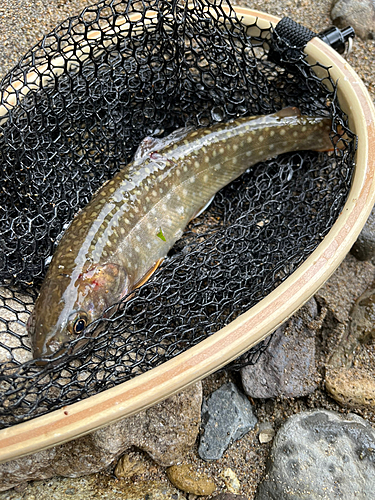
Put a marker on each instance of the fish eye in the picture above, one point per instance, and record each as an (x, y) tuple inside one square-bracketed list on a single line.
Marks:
[(78, 323)]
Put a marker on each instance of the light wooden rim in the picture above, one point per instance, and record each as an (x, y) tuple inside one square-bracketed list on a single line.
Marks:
[(248, 329)]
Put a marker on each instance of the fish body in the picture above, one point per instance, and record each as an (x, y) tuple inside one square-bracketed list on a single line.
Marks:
[(132, 222)]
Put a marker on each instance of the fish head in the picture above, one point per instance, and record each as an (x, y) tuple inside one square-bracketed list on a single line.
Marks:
[(67, 304)]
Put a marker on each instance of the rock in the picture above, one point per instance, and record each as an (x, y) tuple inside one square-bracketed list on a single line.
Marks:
[(287, 368), (227, 415), (229, 496), (349, 378), (94, 486), (188, 479), (165, 431), (266, 432), (360, 14), (361, 330), (351, 387), (231, 480), (129, 466), (321, 455), (348, 282)]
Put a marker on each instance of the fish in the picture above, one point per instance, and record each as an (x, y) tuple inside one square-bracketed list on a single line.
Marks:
[(120, 237)]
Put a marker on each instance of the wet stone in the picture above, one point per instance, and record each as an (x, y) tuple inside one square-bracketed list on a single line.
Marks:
[(287, 368), (321, 455), (360, 14), (364, 247), (186, 478), (227, 415)]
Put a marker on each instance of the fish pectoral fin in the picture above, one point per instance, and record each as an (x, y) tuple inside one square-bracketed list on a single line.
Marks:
[(153, 144), (202, 209), (149, 273), (146, 147)]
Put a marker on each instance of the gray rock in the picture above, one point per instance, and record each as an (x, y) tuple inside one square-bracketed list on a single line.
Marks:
[(227, 415), (360, 14), (287, 368), (321, 455), (166, 432), (95, 486), (364, 247)]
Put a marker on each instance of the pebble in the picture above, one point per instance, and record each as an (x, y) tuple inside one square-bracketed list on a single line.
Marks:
[(266, 432), (231, 480), (287, 368), (229, 496), (321, 455), (364, 247), (351, 387), (186, 478), (227, 415), (128, 466), (360, 14)]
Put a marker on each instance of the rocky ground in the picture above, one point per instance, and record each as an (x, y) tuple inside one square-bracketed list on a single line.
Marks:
[(322, 360)]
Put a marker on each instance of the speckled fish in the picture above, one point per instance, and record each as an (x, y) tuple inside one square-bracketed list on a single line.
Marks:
[(115, 242)]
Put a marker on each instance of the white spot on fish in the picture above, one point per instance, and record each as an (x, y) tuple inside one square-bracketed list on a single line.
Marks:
[(221, 150), (196, 164), (205, 178), (260, 138), (192, 179), (184, 192), (282, 131), (206, 159), (249, 139), (235, 147)]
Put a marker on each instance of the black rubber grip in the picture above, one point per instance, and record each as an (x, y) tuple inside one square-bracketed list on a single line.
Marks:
[(294, 34)]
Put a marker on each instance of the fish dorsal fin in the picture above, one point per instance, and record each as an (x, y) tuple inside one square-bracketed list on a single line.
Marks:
[(151, 144)]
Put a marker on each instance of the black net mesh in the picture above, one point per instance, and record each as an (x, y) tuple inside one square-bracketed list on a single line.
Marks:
[(74, 110)]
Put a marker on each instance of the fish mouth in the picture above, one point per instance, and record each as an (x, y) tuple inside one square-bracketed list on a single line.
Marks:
[(48, 352)]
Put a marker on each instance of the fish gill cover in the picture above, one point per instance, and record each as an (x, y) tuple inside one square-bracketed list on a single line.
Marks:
[(74, 110)]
